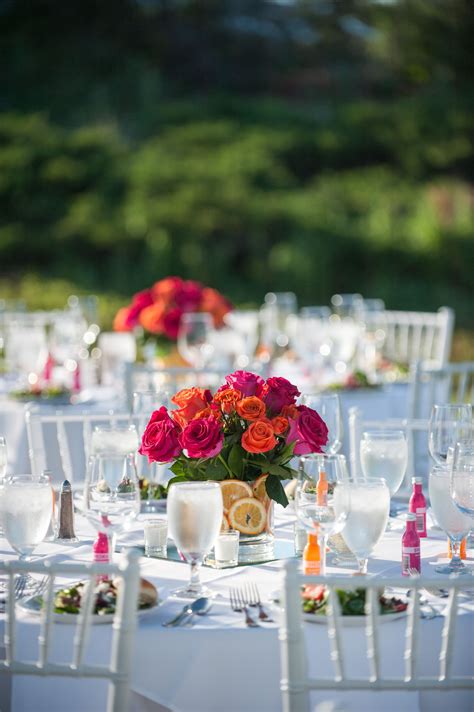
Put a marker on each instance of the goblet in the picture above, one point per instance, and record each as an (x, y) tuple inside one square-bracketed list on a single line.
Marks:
[(462, 476), (26, 508), (195, 512), (318, 478), (448, 425), (456, 524), (384, 453), (329, 408), (144, 403), (194, 338), (366, 503)]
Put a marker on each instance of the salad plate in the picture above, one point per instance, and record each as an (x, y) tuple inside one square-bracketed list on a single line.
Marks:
[(352, 603), (67, 600)]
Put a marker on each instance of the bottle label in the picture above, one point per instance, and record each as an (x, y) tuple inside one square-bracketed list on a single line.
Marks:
[(312, 568), (420, 519), (411, 560), (101, 557)]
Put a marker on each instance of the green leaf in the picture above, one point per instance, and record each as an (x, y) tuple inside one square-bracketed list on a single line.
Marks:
[(236, 460), (286, 454), (178, 468), (275, 490), (178, 478), (278, 470), (216, 470)]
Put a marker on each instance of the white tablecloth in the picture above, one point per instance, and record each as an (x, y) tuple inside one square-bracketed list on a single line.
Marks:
[(219, 664)]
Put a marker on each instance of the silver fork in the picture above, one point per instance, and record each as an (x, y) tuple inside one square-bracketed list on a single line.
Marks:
[(18, 591), (252, 597), (432, 612), (239, 605)]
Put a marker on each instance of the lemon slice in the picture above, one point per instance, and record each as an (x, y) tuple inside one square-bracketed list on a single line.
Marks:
[(259, 490), (233, 490), (248, 516)]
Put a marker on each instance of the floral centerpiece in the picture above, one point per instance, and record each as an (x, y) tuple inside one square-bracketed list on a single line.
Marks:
[(158, 310), (244, 436)]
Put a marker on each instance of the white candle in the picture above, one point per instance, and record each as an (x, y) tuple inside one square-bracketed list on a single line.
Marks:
[(156, 534), (227, 547)]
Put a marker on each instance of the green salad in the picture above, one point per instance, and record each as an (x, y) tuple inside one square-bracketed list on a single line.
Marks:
[(156, 491), (352, 603)]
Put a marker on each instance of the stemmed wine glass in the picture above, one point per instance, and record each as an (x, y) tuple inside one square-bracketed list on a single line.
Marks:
[(456, 524), (195, 512), (194, 338), (461, 466), (114, 440), (144, 403), (448, 425), (26, 507), (384, 453), (112, 493), (329, 408), (318, 478), (366, 503)]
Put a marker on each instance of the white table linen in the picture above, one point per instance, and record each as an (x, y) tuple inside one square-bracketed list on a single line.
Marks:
[(219, 664)]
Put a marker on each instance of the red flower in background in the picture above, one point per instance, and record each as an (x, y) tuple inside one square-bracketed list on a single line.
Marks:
[(159, 309)]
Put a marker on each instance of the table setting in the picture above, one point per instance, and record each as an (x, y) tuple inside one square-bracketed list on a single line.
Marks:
[(211, 557)]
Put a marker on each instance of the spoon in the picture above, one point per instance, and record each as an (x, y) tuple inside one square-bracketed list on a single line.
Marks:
[(200, 604), (199, 608)]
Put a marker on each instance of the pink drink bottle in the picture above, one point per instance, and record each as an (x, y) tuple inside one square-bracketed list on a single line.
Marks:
[(417, 505), (411, 559), (100, 550)]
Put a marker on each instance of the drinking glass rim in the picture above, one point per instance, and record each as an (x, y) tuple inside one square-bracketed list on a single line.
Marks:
[(366, 481), (26, 478), (204, 484), (383, 434), (113, 428), (327, 457), (449, 406), (111, 455), (440, 471)]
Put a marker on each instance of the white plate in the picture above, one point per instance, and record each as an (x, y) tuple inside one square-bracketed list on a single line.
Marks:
[(354, 621), (32, 605)]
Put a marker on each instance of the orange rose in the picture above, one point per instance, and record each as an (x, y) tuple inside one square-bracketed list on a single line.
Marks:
[(215, 304), (208, 413), (151, 318), (251, 408), (259, 437), (166, 289), (280, 424), (227, 399), (121, 320), (289, 411), (191, 401)]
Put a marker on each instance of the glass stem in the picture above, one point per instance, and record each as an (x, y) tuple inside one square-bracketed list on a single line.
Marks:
[(194, 580), (362, 566), (456, 561)]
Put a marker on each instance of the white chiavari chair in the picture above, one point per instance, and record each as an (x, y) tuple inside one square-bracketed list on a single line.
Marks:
[(415, 336), (410, 426), (452, 383), (118, 668), (60, 442), (296, 684), (141, 377)]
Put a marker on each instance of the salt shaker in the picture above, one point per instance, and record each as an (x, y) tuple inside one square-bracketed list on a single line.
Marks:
[(66, 514)]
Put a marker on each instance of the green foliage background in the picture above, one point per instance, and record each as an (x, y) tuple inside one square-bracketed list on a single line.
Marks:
[(145, 139)]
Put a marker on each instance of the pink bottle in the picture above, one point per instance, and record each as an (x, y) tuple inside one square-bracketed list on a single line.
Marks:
[(417, 505), (100, 550), (411, 559)]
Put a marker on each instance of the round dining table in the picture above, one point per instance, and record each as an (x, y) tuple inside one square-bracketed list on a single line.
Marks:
[(218, 663)]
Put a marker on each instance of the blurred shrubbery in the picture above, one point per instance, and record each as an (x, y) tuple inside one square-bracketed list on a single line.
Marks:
[(317, 147)]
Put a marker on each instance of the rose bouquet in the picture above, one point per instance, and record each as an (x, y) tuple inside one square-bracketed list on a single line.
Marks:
[(158, 310), (244, 436)]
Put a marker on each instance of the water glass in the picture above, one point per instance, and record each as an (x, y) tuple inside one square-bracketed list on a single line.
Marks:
[(114, 440), (144, 403), (329, 408), (455, 523), (226, 549), (26, 508), (448, 425), (462, 476), (156, 537), (195, 511), (195, 338), (366, 504), (384, 453)]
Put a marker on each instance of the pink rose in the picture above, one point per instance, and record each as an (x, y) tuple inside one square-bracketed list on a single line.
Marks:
[(160, 440), (171, 322), (278, 393), (249, 384), (308, 430), (202, 437), (189, 296)]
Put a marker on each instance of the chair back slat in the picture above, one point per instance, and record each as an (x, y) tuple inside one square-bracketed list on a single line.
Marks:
[(371, 629), (411, 637), (46, 623), (447, 636), (451, 383), (10, 637), (334, 635), (83, 628)]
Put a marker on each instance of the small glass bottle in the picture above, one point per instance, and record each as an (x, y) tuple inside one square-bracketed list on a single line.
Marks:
[(100, 550), (462, 548), (312, 556), (417, 505), (322, 490), (411, 558)]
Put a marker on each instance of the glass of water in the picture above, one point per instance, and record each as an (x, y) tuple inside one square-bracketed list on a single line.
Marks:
[(329, 408), (455, 523), (384, 453), (462, 476), (448, 425), (26, 508)]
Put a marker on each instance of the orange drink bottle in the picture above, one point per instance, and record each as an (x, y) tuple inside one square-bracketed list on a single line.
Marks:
[(322, 490), (462, 550), (312, 556)]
